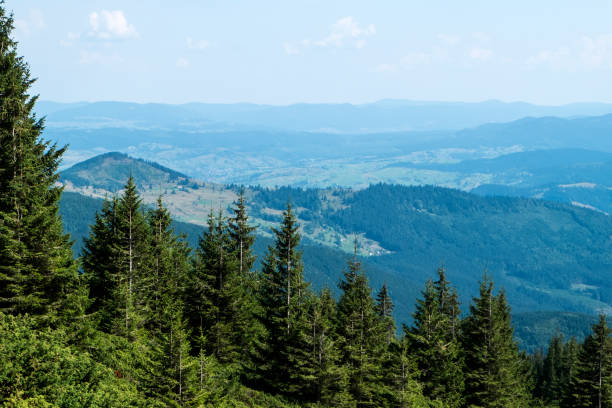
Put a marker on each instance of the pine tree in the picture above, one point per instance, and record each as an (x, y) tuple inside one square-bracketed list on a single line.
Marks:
[(117, 264), (173, 376), (401, 377), (591, 382), (495, 373), (384, 309), (242, 236), (99, 266), (38, 275), (216, 281), (331, 380), (283, 355), (552, 371), (434, 343), (361, 337)]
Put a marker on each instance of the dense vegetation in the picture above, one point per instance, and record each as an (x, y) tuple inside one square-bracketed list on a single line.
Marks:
[(149, 323)]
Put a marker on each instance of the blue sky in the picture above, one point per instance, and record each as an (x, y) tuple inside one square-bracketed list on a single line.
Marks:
[(281, 52)]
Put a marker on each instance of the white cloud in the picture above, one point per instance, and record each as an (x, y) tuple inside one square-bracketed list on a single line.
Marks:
[(449, 39), (557, 58), (481, 37), (110, 25), (587, 53), (197, 44), (481, 54), (70, 39), (291, 49), (344, 32), (97, 58), (386, 67), (34, 22), (597, 52), (183, 63)]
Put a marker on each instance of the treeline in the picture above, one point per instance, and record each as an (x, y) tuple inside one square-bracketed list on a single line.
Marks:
[(142, 320)]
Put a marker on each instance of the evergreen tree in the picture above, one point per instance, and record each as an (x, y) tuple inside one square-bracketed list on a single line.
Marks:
[(551, 385), (434, 343), (283, 355), (361, 337), (242, 236), (591, 381), (38, 274), (99, 265), (173, 374), (401, 377), (331, 380), (384, 309), (495, 372), (117, 264), (217, 280)]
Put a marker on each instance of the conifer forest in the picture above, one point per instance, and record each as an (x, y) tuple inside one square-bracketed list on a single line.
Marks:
[(139, 318)]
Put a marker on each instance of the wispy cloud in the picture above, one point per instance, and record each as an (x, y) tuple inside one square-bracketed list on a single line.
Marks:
[(98, 58), (197, 44), (448, 39), (183, 63), (110, 25), (586, 54), (34, 22), (346, 31), (481, 54)]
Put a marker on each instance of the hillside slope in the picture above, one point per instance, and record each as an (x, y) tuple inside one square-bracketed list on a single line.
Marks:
[(548, 256)]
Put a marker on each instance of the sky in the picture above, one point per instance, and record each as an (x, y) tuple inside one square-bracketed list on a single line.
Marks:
[(317, 51)]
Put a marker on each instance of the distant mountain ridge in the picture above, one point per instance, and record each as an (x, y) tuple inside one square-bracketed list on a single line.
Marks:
[(381, 116)]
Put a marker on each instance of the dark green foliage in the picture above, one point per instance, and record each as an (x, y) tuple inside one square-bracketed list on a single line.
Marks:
[(435, 345), (39, 366), (242, 236), (117, 263), (283, 363), (38, 274), (552, 372), (534, 330), (495, 373), (362, 336), (591, 378)]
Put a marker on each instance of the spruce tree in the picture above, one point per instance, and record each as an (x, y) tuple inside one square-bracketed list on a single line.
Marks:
[(117, 263), (384, 309), (434, 343), (218, 285), (173, 374), (331, 379), (591, 382), (361, 337), (242, 236), (495, 372), (38, 275), (283, 356)]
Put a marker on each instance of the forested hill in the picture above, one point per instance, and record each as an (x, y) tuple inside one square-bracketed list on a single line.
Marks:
[(548, 256)]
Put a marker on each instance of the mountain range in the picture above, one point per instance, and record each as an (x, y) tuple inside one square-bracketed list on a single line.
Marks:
[(547, 256)]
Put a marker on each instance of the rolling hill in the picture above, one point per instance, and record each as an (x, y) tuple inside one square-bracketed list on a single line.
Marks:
[(547, 256)]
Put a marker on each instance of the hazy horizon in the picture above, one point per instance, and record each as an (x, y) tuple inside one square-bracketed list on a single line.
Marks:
[(316, 52)]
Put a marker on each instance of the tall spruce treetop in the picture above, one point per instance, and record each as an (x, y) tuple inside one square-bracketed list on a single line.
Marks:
[(284, 297), (591, 381), (37, 272), (242, 234), (495, 371)]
